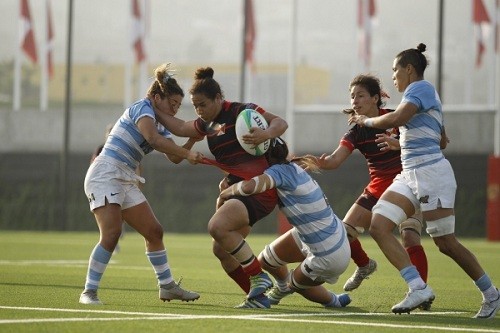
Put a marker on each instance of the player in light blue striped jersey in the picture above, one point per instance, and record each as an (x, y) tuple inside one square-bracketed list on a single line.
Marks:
[(318, 240), (426, 182), (112, 185)]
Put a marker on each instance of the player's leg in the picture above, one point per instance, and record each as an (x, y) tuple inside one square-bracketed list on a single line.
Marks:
[(225, 227), (441, 229), (141, 218), (357, 220), (274, 259), (308, 278), (391, 210), (108, 218), (411, 231)]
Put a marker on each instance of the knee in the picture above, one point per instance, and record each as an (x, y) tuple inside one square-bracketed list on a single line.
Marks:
[(155, 233), (445, 245), (375, 231), (218, 251)]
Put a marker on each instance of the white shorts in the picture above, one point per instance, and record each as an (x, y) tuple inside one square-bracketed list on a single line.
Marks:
[(111, 180), (429, 187), (327, 268)]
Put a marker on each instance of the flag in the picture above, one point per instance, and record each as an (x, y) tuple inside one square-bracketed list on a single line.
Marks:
[(366, 17), (250, 32), (50, 42), (481, 21), (27, 36), (137, 32)]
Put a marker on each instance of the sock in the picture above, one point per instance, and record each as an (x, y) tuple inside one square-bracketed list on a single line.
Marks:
[(334, 303), (486, 287), (412, 278), (98, 261), (282, 285), (241, 278), (419, 259), (358, 255), (243, 253), (159, 261)]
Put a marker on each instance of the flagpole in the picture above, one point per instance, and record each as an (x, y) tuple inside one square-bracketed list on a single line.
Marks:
[(43, 65), (244, 73), (470, 60), (290, 101), (18, 61), (17, 71)]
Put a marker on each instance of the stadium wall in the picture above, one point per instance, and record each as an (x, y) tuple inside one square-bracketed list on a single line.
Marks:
[(183, 196)]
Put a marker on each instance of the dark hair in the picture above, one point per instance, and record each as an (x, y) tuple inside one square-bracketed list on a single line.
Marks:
[(164, 83), (277, 153), (371, 84), (414, 57), (205, 84)]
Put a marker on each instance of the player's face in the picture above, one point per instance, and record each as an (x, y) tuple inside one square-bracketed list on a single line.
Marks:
[(400, 76), (207, 109), (362, 103), (169, 105), (174, 102)]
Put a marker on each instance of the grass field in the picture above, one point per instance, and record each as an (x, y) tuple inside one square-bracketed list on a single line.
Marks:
[(42, 275)]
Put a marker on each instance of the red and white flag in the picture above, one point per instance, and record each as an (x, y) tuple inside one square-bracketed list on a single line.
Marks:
[(481, 22), (138, 32), (27, 36), (366, 18), (250, 32), (50, 42)]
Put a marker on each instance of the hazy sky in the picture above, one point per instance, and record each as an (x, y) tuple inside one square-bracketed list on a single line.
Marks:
[(209, 31)]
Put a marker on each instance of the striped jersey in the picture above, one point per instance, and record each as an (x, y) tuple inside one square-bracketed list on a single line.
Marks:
[(307, 208), (125, 143), (421, 135)]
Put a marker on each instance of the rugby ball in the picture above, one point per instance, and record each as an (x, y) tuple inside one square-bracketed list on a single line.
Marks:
[(247, 119)]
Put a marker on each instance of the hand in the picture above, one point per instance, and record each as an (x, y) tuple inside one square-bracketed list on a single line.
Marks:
[(255, 136), (357, 119), (386, 142), (194, 157)]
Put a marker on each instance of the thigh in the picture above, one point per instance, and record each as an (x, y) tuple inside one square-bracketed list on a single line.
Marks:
[(141, 218), (287, 249), (231, 216), (358, 216)]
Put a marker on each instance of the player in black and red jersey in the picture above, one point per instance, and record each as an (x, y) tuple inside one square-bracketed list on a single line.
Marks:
[(232, 221), (381, 151)]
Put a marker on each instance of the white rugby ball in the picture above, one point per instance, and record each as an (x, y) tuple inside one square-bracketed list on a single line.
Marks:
[(247, 119)]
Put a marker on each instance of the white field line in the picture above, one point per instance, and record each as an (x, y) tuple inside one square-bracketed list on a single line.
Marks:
[(260, 317), (69, 263)]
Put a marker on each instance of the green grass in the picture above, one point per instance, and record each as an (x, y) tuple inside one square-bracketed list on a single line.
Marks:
[(42, 275)]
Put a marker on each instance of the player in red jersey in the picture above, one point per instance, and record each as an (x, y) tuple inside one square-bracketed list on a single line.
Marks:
[(381, 151), (232, 221)]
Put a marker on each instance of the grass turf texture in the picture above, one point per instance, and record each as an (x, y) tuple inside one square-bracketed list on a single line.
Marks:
[(42, 275)]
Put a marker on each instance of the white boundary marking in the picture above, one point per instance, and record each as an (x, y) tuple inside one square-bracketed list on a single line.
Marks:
[(260, 317)]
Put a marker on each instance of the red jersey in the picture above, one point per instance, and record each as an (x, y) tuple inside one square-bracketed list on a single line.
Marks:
[(222, 142), (383, 166)]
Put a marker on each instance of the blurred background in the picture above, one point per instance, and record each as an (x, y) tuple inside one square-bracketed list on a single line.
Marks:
[(69, 68)]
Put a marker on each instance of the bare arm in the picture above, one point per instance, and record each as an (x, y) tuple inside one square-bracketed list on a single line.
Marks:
[(257, 184), (188, 145), (148, 129), (177, 126), (333, 160), (399, 117)]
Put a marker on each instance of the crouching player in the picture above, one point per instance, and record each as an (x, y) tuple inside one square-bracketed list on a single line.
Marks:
[(318, 240)]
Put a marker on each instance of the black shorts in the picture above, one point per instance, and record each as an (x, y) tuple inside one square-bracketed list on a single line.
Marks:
[(367, 200)]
